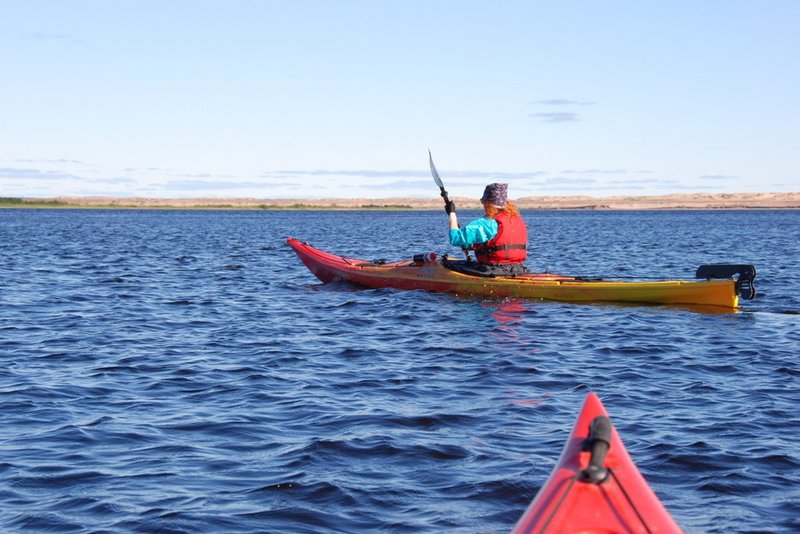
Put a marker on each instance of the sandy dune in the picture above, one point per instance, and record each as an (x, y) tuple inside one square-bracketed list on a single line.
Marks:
[(683, 201)]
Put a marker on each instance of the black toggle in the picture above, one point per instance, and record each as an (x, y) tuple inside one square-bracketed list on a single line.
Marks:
[(598, 443)]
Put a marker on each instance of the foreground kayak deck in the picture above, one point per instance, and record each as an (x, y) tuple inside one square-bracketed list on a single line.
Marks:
[(595, 486), (433, 276)]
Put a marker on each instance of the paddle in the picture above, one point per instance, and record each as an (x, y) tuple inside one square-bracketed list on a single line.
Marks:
[(438, 181)]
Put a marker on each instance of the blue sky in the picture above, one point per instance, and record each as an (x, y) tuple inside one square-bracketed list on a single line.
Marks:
[(317, 99)]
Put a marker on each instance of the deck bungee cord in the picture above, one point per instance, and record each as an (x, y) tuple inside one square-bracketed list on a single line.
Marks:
[(577, 478)]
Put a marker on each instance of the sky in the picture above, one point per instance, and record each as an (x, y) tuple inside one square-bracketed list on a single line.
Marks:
[(343, 99)]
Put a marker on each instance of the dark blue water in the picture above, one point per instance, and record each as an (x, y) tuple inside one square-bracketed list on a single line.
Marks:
[(183, 372)]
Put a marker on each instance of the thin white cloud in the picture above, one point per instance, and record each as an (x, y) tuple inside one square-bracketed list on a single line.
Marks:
[(556, 117), (563, 102), (644, 181), (358, 172), (693, 187), (206, 175), (560, 180), (401, 184), (115, 181), (717, 177), (56, 38), (35, 174), (146, 169), (363, 173), (595, 171), (193, 185), (52, 161)]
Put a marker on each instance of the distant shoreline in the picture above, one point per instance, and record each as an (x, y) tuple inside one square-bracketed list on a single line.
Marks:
[(694, 201)]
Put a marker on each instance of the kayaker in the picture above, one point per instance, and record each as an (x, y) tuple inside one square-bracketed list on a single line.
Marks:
[(499, 238)]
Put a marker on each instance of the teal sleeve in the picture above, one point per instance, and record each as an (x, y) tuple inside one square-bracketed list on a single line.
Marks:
[(476, 232)]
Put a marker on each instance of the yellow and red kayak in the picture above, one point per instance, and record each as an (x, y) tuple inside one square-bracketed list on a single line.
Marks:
[(432, 274), (595, 486)]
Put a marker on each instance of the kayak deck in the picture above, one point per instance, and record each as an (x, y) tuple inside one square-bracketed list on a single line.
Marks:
[(433, 276), (595, 486)]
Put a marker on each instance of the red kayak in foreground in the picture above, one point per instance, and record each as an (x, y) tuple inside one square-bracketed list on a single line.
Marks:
[(595, 487)]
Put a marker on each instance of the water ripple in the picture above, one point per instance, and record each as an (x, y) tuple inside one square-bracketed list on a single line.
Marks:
[(183, 372)]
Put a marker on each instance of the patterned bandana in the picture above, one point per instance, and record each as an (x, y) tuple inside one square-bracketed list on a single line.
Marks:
[(495, 194)]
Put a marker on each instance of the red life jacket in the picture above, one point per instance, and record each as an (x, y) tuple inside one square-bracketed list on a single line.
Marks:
[(509, 245)]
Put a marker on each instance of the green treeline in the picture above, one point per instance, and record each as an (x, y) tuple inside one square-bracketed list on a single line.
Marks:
[(6, 202)]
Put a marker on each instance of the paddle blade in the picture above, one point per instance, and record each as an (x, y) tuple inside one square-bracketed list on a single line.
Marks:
[(434, 172)]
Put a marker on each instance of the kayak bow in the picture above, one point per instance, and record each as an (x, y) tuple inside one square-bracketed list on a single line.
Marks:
[(595, 486), (722, 294)]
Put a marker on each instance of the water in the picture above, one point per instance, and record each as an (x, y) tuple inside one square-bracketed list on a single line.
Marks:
[(182, 371)]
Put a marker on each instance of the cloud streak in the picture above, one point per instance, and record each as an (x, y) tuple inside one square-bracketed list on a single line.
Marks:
[(642, 182), (115, 181), (193, 185), (55, 38), (402, 184), (556, 117), (559, 180), (358, 172), (156, 181), (35, 174), (396, 174), (595, 171), (563, 102), (56, 161), (717, 177)]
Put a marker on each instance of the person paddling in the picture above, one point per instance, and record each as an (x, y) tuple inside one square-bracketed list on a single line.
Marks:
[(499, 238)]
